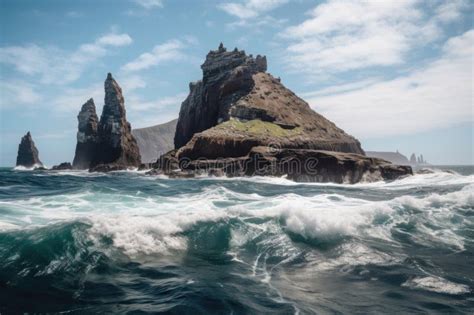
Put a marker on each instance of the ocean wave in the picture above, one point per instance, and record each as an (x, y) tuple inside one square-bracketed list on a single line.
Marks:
[(151, 223), (437, 284)]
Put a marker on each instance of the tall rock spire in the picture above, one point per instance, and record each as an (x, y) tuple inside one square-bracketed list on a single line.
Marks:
[(87, 136), (28, 155), (116, 142)]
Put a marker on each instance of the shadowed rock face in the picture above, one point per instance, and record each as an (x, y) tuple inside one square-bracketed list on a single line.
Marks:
[(237, 106), (87, 136), (155, 141), (28, 155), (227, 77), (116, 144)]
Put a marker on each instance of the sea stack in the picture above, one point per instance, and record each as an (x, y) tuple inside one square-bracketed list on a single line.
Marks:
[(87, 136), (117, 148), (28, 155)]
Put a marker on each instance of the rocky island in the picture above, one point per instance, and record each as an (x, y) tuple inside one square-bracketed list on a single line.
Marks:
[(239, 120)]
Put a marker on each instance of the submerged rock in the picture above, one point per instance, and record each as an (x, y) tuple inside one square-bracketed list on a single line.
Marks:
[(28, 155), (116, 144), (87, 136)]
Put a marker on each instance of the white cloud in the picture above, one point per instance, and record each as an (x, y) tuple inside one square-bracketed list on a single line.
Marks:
[(114, 40), (437, 96), (55, 66), (249, 12), (15, 93), (250, 8), (169, 51), (149, 4), (71, 99), (347, 35)]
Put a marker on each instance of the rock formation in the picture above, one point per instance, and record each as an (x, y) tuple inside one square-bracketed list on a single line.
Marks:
[(241, 121), (87, 136), (116, 144), (155, 141), (237, 106), (28, 155), (393, 157), (62, 166)]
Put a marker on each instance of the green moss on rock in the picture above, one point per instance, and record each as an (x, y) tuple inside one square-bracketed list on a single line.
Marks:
[(258, 127)]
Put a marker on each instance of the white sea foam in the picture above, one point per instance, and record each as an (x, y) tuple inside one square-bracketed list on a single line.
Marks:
[(437, 284), (32, 168), (146, 223)]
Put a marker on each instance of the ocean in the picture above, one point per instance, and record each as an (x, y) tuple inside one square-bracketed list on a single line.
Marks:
[(123, 242)]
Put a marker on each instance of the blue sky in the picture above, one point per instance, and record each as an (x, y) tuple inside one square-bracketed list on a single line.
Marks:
[(395, 74)]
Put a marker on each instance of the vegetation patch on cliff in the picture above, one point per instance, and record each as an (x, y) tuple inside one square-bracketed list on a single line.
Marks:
[(258, 127)]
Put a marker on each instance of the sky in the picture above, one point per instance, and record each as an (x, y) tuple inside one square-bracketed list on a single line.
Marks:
[(398, 75)]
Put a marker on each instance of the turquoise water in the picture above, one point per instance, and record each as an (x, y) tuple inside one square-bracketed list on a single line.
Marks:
[(125, 242)]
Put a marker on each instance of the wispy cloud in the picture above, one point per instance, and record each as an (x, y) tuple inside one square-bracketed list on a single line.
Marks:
[(340, 35), (14, 93), (169, 51), (436, 96), (251, 12), (250, 8), (149, 4), (56, 66)]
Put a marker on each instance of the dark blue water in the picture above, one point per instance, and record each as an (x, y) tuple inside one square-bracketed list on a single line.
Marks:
[(74, 242)]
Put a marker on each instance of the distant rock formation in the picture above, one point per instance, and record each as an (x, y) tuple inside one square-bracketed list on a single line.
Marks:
[(393, 157), (62, 166), (155, 141), (238, 117), (116, 144), (28, 155), (87, 136), (418, 161), (237, 106)]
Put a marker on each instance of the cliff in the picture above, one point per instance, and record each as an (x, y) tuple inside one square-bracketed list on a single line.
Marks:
[(28, 155), (393, 157), (155, 141)]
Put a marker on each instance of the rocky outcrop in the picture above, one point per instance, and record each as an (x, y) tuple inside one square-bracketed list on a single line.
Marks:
[(87, 136), (62, 166), (300, 165), (116, 144), (155, 141), (28, 155), (237, 106)]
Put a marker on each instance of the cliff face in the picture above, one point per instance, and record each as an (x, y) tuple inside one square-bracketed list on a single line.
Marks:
[(237, 106), (116, 144), (28, 155), (227, 77), (394, 157), (87, 136), (155, 141)]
